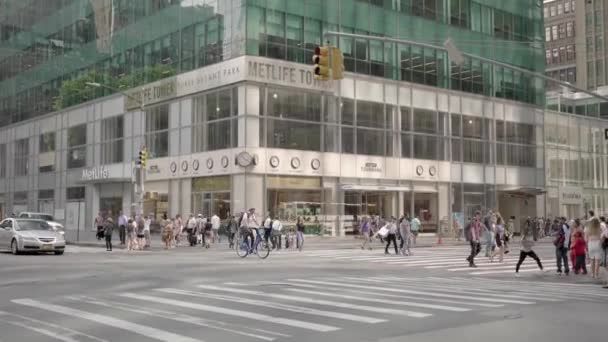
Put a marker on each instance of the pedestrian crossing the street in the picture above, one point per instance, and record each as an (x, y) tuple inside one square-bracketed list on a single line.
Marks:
[(275, 311), (451, 259)]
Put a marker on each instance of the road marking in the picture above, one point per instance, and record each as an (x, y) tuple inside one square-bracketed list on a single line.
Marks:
[(325, 302), (178, 317), (143, 330), (402, 296), (383, 301), (461, 289), (422, 293), (512, 271), (70, 332), (41, 331), (268, 304), (238, 313)]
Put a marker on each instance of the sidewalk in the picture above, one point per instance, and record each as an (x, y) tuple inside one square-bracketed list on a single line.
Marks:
[(311, 242)]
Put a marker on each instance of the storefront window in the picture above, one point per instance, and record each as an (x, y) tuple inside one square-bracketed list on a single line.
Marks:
[(291, 197), (77, 151), (46, 201), (211, 196), (425, 208)]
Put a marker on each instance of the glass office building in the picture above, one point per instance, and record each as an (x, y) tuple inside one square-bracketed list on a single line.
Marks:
[(232, 117)]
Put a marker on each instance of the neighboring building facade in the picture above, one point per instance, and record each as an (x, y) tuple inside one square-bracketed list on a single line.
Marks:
[(244, 124), (574, 36)]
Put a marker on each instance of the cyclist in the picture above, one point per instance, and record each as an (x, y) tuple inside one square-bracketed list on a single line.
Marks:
[(248, 224)]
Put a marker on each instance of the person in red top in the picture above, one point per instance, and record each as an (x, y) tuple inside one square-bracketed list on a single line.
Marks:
[(578, 249)]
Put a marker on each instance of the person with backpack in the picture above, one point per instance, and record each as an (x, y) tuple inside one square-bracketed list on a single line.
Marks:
[(472, 233), (561, 241)]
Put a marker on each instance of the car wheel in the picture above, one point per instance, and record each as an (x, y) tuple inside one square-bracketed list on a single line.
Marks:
[(58, 252), (14, 247)]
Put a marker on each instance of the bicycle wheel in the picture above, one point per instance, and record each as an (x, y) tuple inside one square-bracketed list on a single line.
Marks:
[(242, 248), (262, 250)]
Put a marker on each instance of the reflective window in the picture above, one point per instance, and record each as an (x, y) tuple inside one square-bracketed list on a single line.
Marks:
[(370, 114), (77, 150), (157, 134), (425, 147), (112, 141), (75, 193), (292, 104), (406, 119), (425, 121), (214, 119), (370, 142), (22, 153), (348, 140), (46, 156), (293, 135), (348, 111), (406, 145), (2, 160), (47, 142)]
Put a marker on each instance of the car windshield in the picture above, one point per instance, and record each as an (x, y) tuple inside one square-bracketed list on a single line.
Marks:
[(32, 225), (42, 217)]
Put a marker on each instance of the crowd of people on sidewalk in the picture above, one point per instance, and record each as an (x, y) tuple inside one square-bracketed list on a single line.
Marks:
[(577, 242), (134, 231), (405, 230)]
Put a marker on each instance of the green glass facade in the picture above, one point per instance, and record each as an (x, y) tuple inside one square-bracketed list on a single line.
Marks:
[(50, 48)]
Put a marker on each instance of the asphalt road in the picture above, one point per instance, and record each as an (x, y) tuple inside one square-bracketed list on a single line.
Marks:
[(190, 294)]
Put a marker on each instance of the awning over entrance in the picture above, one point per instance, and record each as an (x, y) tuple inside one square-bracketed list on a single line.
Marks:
[(522, 190), (389, 188)]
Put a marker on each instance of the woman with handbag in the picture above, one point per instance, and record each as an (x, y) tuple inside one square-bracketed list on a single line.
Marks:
[(593, 232)]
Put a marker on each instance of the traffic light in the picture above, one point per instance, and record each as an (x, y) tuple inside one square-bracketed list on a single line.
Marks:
[(143, 157), (337, 63), (321, 62)]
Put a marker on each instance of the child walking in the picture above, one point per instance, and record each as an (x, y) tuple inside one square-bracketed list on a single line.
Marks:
[(579, 251)]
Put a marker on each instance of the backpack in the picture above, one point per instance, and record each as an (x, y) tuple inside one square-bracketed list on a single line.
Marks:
[(560, 238), (467, 232)]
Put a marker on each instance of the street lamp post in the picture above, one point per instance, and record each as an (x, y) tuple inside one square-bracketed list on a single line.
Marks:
[(140, 168)]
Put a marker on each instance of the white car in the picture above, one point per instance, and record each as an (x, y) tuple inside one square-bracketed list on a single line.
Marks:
[(30, 235), (58, 227)]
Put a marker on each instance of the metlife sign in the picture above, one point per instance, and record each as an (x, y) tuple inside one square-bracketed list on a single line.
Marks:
[(95, 173), (244, 68)]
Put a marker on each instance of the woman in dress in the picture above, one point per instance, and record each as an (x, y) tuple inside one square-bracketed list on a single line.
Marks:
[(177, 229), (499, 233), (167, 233), (593, 233)]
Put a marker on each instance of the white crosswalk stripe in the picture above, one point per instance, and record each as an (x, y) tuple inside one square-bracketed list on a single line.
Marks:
[(234, 311), (452, 259)]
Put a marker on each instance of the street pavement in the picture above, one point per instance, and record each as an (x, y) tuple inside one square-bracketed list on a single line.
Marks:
[(194, 294)]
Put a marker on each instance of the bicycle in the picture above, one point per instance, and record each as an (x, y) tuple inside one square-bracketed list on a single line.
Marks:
[(243, 249)]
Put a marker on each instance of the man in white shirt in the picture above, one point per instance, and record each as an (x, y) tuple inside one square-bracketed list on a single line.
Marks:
[(215, 226), (267, 228), (277, 228)]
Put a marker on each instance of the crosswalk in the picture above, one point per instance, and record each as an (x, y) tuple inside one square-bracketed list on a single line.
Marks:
[(262, 311), (451, 259)]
